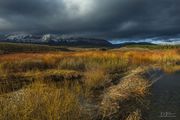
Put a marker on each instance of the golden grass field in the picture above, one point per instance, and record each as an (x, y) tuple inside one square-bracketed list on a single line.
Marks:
[(80, 85)]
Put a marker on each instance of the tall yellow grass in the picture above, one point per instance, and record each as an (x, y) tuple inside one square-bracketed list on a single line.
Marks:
[(47, 87)]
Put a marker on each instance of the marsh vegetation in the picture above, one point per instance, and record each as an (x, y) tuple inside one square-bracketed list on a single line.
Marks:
[(80, 85)]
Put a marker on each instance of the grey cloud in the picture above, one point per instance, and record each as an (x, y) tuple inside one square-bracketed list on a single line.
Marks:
[(102, 18)]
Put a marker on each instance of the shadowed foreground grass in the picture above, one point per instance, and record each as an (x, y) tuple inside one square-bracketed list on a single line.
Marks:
[(85, 85)]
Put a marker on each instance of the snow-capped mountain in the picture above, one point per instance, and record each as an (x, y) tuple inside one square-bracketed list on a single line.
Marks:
[(75, 40), (21, 38), (18, 36), (53, 39)]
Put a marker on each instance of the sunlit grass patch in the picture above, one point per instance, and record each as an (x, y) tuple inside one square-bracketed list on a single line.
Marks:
[(40, 101), (95, 78), (72, 63), (127, 96), (78, 85)]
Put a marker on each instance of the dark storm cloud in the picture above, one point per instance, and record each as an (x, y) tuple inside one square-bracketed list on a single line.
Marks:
[(107, 18)]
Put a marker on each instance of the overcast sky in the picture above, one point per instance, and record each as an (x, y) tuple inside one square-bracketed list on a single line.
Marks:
[(103, 18)]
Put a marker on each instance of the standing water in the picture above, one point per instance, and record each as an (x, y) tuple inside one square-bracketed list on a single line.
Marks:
[(165, 104)]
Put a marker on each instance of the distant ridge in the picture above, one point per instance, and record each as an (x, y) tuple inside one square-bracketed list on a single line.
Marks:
[(133, 43), (70, 40), (51, 39)]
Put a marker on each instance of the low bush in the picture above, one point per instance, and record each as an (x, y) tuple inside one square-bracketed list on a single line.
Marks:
[(24, 66)]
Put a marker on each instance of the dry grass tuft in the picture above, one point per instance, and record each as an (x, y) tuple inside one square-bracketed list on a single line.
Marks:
[(136, 115), (72, 63), (95, 78), (42, 102), (122, 99)]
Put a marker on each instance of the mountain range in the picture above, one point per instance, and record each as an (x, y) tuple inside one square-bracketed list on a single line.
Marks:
[(52, 39)]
